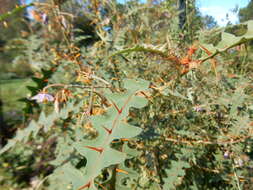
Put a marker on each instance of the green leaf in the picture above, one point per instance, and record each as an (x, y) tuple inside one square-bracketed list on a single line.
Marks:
[(249, 33), (68, 176), (126, 131), (167, 91), (175, 174), (227, 40), (110, 126), (134, 85), (22, 136)]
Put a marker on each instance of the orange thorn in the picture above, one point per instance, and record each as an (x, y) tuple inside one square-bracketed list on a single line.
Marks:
[(119, 110), (206, 50), (78, 55), (121, 171), (185, 61), (115, 141), (119, 140), (100, 150), (85, 186), (108, 130), (191, 51)]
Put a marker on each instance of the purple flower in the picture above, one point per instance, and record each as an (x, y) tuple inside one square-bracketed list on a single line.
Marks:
[(226, 154), (45, 18), (42, 97), (198, 109)]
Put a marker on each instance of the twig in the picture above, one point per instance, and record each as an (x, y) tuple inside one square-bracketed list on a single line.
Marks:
[(236, 178), (41, 182), (89, 111), (191, 142), (92, 76), (72, 86), (100, 79)]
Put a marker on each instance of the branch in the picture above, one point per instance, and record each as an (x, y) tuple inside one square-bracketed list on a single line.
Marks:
[(139, 48), (242, 41)]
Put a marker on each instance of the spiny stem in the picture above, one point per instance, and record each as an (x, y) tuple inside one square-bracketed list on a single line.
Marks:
[(242, 41), (71, 86)]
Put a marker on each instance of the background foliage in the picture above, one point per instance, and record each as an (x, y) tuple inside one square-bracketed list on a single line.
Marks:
[(144, 97)]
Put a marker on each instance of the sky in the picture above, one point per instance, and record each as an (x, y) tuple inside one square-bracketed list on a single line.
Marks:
[(216, 8), (220, 8)]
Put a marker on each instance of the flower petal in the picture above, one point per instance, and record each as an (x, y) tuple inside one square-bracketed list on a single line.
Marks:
[(41, 97)]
